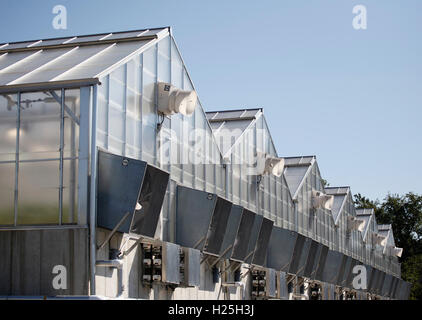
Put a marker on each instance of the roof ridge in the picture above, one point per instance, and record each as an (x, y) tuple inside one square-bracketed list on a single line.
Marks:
[(85, 35)]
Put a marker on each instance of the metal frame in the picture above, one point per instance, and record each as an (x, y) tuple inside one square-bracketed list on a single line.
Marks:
[(82, 135)]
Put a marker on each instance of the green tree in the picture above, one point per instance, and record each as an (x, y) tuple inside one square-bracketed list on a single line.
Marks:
[(412, 272), (404, 213)]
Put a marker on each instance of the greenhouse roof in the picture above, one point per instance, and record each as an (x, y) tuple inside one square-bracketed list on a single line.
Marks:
[(234, 122), (337, 190), (70, 61), (299, 161), (364, 212)]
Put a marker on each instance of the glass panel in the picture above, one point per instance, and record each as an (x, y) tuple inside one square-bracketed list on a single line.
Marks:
[(164, 67), (117, 88), (148, 86), (117, 110), (148, 143), (176, 68), (7, 185), (102, 96), (70, 191), (8, 115), (40, 127), (38, 201), (71, 129)]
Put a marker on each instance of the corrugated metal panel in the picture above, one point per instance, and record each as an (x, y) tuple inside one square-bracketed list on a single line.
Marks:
[(29, 257)]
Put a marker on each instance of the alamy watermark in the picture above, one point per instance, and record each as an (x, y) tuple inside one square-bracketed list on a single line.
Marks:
[(359, 21), (60, 280), (60, 18), (360, 280)]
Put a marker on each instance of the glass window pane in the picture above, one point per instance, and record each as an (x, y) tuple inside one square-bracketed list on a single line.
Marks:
[(8, 115), (71, 129), (164, 67), (39, 127), (70, 191), (7, 185), (38, 200)]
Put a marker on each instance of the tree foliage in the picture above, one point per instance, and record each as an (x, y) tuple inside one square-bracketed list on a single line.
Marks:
[(404, 213)]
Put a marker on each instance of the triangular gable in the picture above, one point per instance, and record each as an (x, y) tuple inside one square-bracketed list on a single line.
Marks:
[(386, 231), (229, 126), (296, 170), (368, 216), (340, 197)]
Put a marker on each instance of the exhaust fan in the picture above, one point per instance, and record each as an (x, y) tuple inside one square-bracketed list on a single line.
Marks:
[(321, 200), (398, 251), (269, 165), (377, 239), (172, 100), (355, 224)]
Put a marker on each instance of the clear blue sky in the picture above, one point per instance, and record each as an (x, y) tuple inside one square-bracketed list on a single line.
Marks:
[(352, 98)]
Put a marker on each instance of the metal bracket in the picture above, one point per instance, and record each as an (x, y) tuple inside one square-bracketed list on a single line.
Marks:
[(107, 239), (221, 256), (68, 110), (126, 252)]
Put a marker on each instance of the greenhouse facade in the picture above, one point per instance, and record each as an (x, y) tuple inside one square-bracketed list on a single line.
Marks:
[(135, 202)]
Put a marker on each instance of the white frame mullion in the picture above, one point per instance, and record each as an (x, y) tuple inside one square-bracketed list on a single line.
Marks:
[(16, 191)]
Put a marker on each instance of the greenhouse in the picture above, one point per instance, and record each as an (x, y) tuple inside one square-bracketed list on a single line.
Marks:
[(111, 169)]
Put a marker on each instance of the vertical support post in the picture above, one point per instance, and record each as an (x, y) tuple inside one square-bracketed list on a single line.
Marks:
[(93, 191), (61, 156), (125, 134), (83, 158), (72, 182), (18, 123)]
